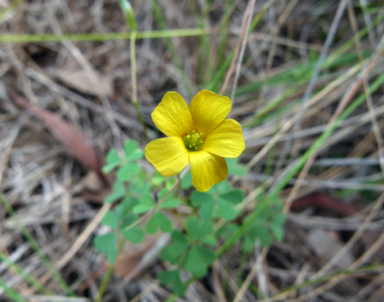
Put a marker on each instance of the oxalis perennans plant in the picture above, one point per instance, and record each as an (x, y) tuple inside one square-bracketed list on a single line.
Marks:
[(146, 203)]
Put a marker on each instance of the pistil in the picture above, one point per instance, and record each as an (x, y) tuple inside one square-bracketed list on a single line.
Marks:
[(193, 141)]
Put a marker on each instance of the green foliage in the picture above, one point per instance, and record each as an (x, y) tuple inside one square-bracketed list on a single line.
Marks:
[(218, 202), (113, 160), (158, 220), (234, 168), (144, 205), (172, 278), (135, 235), (106, 244), (268, 225)]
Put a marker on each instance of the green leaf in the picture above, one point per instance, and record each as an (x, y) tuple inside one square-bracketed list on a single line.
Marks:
[(110, 219), (277, 226), (278, 219), (206, 210), (126, 206), (128, 220), (173, 252), (234, 168), (158, 220), (131, 150), (152, 225), (113, 160), (198, 228), (199, 198), (197, 260), (146, 204), (139, 185), (157, 178), (227, 211), (106, 244), (209, 239), (194, 264), (261, 232), (207, 256), (234, 196), (118, 191), (186, 181), (223, 187), (135, 235), (172, 278), (278, 231), (127, 170), (170, 203), (164, 223), (248, 244)]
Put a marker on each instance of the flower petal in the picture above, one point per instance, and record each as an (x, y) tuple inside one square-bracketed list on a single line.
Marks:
[(209, 110), (226, 140), (172, 115), (207, 169), (168, 155)]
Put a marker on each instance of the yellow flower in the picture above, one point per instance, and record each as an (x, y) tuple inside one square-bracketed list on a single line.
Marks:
[(200, 135)]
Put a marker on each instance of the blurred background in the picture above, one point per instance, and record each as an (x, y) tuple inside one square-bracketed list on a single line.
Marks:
[(306, 81)]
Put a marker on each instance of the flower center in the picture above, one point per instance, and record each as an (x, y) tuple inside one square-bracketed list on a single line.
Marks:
[(193, 141)]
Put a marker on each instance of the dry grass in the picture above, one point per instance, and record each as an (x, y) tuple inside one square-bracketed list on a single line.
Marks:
[(328, 254)]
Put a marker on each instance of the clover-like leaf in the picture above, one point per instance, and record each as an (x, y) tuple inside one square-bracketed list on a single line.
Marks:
[(198, 198), (198, 228), (206, 210), (146, 204), (233, 196), (234, 168), (127, 171), (110, 219), (172, 278), (158, 220), (135, 235), (113, 159), (197, 261), (173, 252), (131, 150), (106, 244), (118, 191), (227, 210)]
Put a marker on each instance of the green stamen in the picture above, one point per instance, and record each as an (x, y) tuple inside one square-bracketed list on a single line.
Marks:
[(193, 141)]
